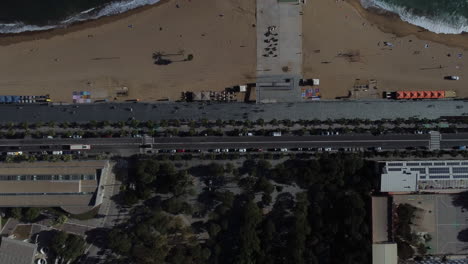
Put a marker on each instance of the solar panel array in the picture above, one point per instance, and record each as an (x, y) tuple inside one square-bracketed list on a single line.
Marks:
[(434, 174)]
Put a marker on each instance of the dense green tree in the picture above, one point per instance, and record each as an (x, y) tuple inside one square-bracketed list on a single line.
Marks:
[(67, 247), (31, 214), (16, 212), (249, 242), (147, 171), (120, 242), (300, 230)]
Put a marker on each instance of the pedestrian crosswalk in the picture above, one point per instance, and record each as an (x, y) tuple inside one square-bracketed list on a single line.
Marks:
[(434, 141)]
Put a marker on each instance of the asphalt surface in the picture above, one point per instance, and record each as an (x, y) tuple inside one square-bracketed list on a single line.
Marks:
[(323, 110), (128, 146)]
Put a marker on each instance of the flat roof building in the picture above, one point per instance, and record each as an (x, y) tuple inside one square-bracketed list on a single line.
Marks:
[(384, 253), (424, 176), (49, 184), (380, 219), (16, 252)]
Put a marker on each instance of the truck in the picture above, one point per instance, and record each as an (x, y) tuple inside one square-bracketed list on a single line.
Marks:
[(79, 147)]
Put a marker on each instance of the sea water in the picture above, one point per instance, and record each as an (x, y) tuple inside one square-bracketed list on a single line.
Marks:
[(439, 16), (18, 16)]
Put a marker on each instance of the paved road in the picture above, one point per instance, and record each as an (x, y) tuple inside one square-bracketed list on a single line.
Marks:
[(133, 145), (376, 109)]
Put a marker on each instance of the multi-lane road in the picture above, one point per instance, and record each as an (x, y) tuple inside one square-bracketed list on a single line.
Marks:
[(128, 146)]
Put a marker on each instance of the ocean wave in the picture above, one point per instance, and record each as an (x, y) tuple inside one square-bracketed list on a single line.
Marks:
[(442, 24), (110, 9)]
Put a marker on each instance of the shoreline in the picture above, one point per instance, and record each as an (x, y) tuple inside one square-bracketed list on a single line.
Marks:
[(14, 38), (391, 23)]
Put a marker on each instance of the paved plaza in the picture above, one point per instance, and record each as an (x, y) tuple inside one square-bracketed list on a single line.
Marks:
[(279, 51)]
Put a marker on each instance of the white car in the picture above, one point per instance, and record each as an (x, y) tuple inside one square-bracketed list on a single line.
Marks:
[(327, 149), (242, 150), (217, 150), (225, 150), (284, 150)]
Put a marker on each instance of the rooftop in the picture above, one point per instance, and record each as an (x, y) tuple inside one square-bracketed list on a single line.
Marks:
[(385, 253), (16, 252), (380, 221), (67, 184), (427, 175)]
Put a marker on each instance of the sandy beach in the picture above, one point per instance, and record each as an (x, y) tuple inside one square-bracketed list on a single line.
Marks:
[(342, 42), (418, 60), (105, 55)]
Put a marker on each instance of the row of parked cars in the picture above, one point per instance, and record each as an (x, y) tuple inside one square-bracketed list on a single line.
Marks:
[(243, 150)]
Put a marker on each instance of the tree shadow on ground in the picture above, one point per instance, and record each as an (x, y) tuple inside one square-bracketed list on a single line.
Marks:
[(98, 237), (460, 200), (463, 235)]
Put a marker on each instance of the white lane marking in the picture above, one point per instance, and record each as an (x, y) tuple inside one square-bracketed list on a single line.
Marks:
[(284, 142)]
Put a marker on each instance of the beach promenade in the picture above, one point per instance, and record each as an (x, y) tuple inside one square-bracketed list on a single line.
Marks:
[(322, 110)]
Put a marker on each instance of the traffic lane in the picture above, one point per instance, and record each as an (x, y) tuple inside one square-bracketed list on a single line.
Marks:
[(70, 141), (453, 145), (265, 145), (462, 136), (94, 148), (356, 137)]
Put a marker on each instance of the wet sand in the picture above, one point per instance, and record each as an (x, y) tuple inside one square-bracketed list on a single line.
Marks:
[(104, 55)]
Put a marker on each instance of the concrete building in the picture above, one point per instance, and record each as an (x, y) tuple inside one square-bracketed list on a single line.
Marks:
[(424, 176), (16, 252), (380, 219), (75, 184), (384, 253)]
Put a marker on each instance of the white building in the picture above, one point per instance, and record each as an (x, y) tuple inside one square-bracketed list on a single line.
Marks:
[(384, 253), (425, 176)]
